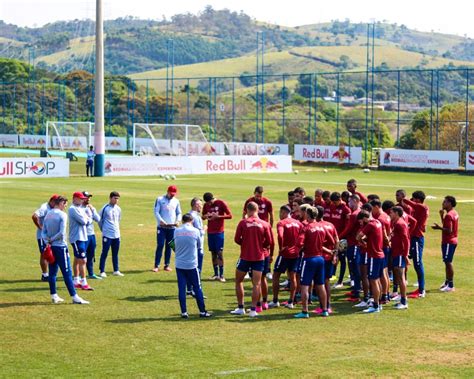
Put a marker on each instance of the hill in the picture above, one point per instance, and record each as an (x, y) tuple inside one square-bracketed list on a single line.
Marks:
[(135, 46)]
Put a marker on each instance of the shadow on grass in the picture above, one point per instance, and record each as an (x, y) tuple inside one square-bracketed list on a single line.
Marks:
[(19, 281), (147, 299), (26, 289), (217, 315), (131, 272), (24, 304)]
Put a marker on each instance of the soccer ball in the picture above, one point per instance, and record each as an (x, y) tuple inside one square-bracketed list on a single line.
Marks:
[(296, 172), (172, 177), (167, 177), (162, 175), (366, 170), (325, 170)]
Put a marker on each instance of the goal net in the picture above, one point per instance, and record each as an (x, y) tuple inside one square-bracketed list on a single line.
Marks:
[(68, 135), (170, 139)]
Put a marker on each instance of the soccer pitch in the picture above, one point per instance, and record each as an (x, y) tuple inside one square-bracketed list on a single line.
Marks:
[(132, 327)]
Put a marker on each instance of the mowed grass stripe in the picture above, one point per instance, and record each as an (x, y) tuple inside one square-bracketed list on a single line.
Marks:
[(132, 326)]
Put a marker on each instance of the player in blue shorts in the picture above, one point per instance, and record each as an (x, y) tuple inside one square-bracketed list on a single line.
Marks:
[(216, 211), (371, 237), (54, 233), (78, 221), (38, 218), (312, 269), (449, 239)]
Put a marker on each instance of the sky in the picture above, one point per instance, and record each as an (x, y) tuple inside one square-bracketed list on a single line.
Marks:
[(453, 17)]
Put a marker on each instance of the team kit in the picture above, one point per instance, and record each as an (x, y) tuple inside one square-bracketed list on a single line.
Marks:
[(372, 240)]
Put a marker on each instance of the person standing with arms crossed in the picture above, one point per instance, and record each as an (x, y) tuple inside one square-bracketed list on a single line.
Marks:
[(54, 233), (215, 211), (168, 215), (109, 224), (187, 240)]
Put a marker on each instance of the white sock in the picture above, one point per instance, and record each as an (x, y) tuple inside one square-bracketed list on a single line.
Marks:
[(54, 296), (45, 274), (84, 281), (76, 297), (77, 279)]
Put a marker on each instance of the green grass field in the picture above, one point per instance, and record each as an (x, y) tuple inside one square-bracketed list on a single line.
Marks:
[(132, 326)]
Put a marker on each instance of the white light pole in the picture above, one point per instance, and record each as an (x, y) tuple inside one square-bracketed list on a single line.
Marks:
[(99, 135)]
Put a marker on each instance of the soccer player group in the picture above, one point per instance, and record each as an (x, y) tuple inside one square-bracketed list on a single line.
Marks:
[(51, 222), (374, 239)]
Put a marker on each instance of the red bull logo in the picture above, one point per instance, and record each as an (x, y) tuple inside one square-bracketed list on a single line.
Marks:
[(257, 165), (264, 164)]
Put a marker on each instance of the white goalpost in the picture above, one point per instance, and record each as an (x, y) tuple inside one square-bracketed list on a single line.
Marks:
[(169, 139), (64, 135)]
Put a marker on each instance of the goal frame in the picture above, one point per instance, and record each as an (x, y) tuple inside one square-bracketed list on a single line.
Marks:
[(144, 127), (48, 123)]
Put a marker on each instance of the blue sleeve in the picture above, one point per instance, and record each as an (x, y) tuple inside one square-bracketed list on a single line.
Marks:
[(95, 216), (178, 212), (62, 228), (157, 211), (77, 216)]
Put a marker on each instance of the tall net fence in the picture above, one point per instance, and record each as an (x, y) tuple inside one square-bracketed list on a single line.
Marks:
[(424, 109)]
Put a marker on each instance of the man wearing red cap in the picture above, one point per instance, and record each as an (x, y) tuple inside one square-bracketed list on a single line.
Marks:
[(78, 221), (168, 215), (38, 219)]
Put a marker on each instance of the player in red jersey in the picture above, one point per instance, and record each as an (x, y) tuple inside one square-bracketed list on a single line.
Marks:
[(312, 269), (215, 211), (349, 234), (291, 197), (352, 186), (338, 214), (253, 236), (386, 222), (400, 245), (299, 193), (268, 254), (330, 259), (288, 230), (318, 198), (295, 209), (371, 237), (449, 239), (399, 196), (265, 213), (420, 213), (265, 206)]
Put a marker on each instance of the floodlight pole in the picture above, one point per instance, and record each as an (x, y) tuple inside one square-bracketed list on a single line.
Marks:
[(99, 135)]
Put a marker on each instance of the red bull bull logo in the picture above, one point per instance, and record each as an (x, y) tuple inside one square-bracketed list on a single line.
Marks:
[(264, 164)]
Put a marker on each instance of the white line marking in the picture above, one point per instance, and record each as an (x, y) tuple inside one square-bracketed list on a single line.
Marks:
[(239, 371), (465, 201)]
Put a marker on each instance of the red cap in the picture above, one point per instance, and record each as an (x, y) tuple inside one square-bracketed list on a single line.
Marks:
[(172, 189), (79, 195), (53, 197)]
